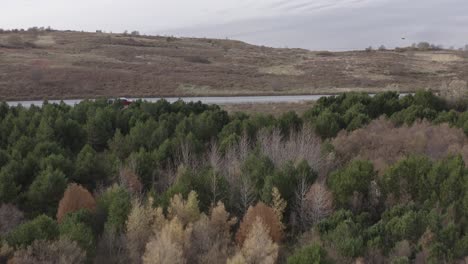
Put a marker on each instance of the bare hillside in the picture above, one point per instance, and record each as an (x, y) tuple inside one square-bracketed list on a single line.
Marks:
[(82, 65)]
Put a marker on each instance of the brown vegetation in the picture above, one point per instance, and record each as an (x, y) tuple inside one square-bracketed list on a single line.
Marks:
[(75, 198), (10, 217), (83, 65), (268, 218), (211, 237), (169, 245), (130, 180), (197, 239), (45, 252), (275, 109), (140, 221), (258, 246), (186, 211), (383, 143)]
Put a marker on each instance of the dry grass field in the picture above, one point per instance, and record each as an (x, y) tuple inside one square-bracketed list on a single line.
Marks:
[(58, 65), (275, 109)]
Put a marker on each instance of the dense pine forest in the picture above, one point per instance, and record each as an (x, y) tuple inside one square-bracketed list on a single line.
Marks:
[(356, 179)]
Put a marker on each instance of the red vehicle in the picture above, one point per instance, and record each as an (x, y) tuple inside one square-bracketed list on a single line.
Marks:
[(122, 100), (125, 101)]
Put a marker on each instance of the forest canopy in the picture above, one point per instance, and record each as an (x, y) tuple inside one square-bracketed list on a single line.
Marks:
[(379, 179)]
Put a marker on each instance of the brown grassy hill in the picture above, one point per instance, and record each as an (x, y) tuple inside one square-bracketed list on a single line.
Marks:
[(82, 65)]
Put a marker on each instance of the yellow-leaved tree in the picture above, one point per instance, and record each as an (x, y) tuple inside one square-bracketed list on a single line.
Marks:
[(278, 204), (141, 220), (169, 244)]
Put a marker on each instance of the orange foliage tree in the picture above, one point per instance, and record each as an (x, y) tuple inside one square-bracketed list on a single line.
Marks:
[(268, 218), (75, 198)]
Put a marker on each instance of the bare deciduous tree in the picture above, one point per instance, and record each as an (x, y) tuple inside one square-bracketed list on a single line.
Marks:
[(44, 252), (10, 217), (246, 194), (214, 157), (383, 143), (234, 157), (215, 160), (319, 203), (300, 210), (185, 156), (301, 145), (166, 177), (130, 180), (112, 248)]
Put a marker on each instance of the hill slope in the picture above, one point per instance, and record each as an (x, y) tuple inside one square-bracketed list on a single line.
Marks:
[(83, 65)]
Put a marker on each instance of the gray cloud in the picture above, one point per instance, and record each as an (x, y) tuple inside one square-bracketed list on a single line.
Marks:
[(312, 24), (350, 26)]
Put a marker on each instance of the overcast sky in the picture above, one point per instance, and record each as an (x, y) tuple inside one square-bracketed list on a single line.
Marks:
[(312, 24)]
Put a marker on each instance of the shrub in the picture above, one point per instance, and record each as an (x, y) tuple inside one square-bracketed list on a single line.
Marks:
[(325, 53), (423, 45), (15, 41), (197, 59)]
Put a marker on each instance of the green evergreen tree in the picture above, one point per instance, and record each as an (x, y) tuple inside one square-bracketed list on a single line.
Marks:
[(40, 228), (312, 254), (46, 191), (355, 177)]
